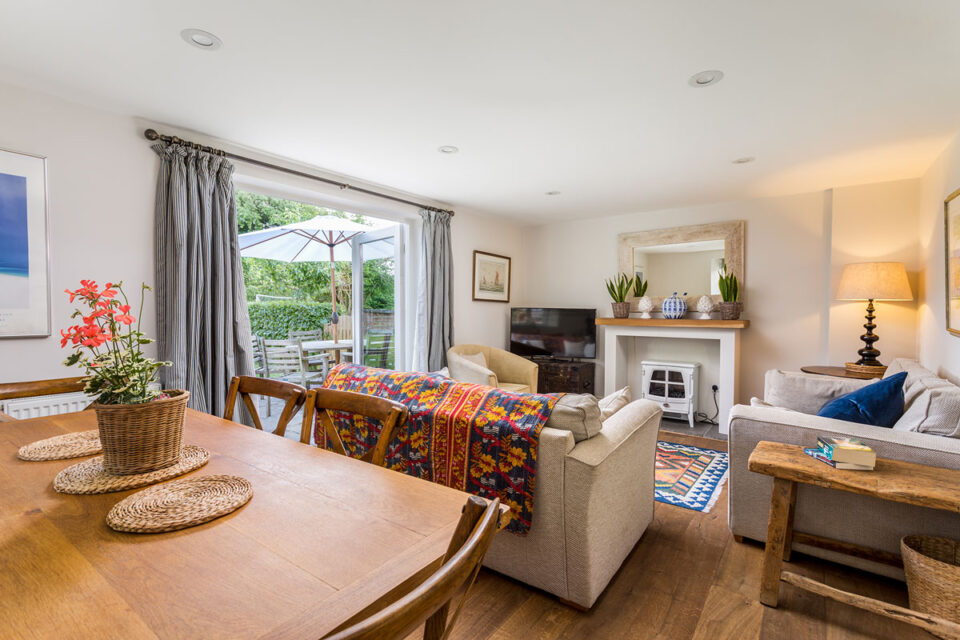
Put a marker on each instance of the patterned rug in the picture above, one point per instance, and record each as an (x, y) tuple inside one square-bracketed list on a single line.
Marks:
[(688, 476)]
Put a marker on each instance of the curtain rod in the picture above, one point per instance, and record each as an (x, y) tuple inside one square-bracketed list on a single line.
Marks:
[(151, 134)]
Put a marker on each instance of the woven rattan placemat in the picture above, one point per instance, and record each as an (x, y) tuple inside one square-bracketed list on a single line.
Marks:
[(69, 445), (180, 504), (89, 477)]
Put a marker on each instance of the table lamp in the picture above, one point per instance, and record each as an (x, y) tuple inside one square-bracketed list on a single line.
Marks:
[(872, 281)]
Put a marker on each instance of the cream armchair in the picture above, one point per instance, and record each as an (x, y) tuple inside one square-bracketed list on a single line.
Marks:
[(501, 369)]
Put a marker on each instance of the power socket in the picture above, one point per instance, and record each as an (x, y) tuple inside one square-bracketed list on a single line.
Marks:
[(715, 388)]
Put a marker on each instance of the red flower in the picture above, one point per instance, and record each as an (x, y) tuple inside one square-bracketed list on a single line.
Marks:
[(122, 315)]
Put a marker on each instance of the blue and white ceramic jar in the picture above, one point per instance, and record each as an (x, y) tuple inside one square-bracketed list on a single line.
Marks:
[(674, 307)]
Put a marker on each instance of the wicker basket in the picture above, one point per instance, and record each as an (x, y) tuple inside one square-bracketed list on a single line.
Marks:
[(932, 566), (621, 309), (139, 438), (730, 310)]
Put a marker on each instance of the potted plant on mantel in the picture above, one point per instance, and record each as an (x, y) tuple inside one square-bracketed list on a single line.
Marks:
[(619, 287), (140, 427), (731, 307)]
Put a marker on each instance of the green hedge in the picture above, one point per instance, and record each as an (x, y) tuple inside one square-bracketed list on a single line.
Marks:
[(273, 320)]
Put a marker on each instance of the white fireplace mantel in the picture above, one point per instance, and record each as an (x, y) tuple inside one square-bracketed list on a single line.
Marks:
[(616, 332)]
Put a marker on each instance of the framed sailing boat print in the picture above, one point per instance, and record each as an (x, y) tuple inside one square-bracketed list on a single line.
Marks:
[(491, 277), (24, 266)]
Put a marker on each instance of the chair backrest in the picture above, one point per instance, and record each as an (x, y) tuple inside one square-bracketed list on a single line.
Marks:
[(377, 351), (323, 401), (293, 394), (11, 390), (430, 602), (308, 334), (281, 358), (257, 345), (34, 388)]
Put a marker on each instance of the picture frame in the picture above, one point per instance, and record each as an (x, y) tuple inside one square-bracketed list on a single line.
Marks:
[(951, 241), (24, 246), (491, 277)]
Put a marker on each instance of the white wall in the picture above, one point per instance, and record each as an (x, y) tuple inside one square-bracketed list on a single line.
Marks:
[(790, 268), (939, 350), (101, 177), (484, 322)]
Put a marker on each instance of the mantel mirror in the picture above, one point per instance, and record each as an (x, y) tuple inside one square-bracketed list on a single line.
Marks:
[(684, 259)]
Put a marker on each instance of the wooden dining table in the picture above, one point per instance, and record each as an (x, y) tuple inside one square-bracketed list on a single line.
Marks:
[(324, 539)]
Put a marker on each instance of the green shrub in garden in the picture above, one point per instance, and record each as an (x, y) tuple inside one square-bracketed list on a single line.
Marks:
[(274, 320)]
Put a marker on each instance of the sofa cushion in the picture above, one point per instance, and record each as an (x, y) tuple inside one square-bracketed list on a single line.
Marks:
[(466, 370), (577, 413), (934, 408), (805, 392), (514, 387), (612, 403), (476, 358), (879, 404)]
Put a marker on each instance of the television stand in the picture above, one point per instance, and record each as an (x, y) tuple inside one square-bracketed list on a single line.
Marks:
[(564, 376)]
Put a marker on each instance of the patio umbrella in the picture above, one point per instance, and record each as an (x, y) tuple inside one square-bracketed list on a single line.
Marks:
[(320, 239)]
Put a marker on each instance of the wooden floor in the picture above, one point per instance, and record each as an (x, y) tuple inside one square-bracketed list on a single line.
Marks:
[(686, 578)]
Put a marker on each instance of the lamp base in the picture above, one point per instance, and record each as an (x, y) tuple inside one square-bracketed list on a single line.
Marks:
[(866, 372)]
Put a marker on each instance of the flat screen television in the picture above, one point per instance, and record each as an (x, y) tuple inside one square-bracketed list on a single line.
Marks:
[(560, 333)]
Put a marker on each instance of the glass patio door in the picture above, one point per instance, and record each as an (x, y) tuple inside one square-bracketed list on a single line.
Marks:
[(378, 298)]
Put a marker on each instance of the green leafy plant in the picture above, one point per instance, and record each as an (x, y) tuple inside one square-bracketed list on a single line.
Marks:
[(274, 320), (619, 287), (729, 286), (639, 286), (108, 346)]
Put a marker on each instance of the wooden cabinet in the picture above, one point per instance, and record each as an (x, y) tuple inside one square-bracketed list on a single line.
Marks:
[(560, 376)]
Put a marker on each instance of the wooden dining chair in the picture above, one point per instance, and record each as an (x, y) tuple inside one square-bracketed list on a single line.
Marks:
[(429, 603), (34, 388), (293, 395), (390, 414)]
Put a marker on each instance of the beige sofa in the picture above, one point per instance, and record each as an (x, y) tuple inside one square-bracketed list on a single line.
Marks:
[(503, 370), (593, 501), (844, 516)]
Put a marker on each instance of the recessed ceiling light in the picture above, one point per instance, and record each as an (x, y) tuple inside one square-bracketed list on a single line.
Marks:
[(448, 148), (705, 78), (552, 193), (201, 39), (743, 160)]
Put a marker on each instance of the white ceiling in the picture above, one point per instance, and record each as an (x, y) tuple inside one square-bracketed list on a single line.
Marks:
[(588, 98)]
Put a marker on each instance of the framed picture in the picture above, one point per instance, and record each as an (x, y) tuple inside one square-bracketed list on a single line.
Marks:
[(491, 277), (24, 266)]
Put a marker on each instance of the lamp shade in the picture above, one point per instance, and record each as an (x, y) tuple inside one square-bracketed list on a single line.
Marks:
[(874, 281)]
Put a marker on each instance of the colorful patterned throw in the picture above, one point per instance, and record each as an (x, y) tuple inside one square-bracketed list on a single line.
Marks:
[(688, 476), (466, 436)]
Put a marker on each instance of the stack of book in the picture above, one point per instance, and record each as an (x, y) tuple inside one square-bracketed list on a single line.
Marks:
[(844, 453)]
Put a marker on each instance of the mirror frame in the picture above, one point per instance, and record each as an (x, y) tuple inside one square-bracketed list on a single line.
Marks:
[(946, 254), (731, 232)]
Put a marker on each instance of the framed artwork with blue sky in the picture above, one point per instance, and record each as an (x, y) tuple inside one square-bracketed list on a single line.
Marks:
[(24, 267)]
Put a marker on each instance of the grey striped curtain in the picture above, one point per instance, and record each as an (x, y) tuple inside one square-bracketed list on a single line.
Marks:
[(434, 331), (203, 326)]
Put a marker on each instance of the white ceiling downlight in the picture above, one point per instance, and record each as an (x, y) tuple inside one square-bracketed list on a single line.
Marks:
[(705, 78), (448, 148), (743, 160), (201, 39)]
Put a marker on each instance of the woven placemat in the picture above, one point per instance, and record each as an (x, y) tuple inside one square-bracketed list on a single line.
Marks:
[(180, 504), (89, 477), (69, 445)]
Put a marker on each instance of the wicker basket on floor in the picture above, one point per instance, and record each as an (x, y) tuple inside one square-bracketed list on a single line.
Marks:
[(932, 566), (139, 438)]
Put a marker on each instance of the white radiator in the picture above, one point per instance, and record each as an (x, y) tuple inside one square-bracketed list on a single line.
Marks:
[(23, 408)]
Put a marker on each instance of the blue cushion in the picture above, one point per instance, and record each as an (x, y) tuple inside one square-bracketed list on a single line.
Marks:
[(879, 404)]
